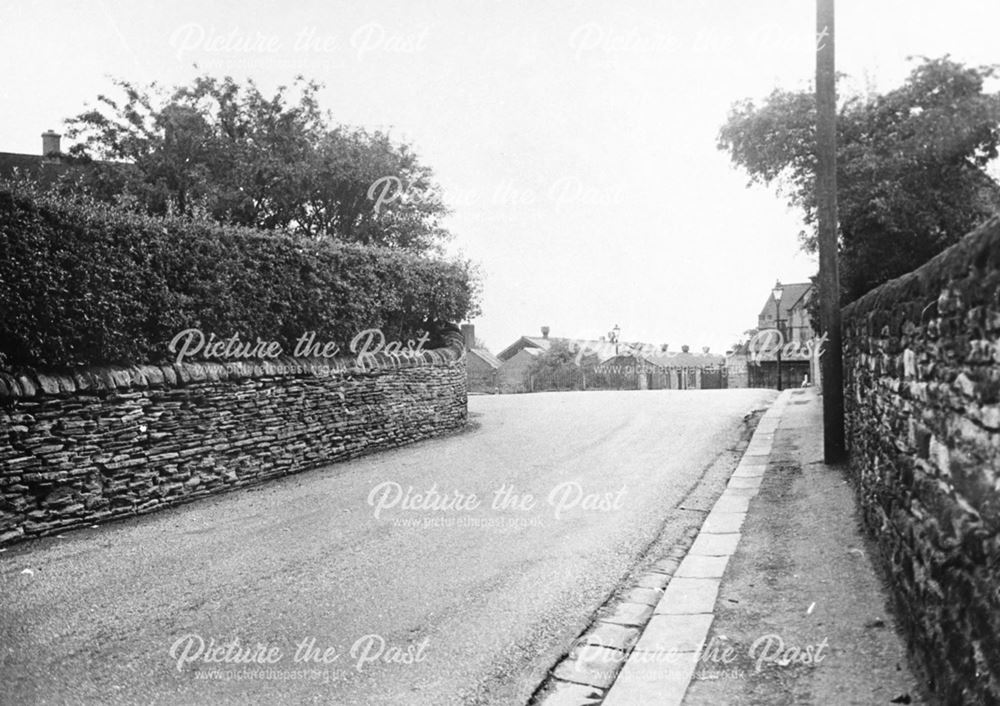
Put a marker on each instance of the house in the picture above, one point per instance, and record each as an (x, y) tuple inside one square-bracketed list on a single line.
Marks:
[(602, 348), (517, 358), (514, 375), (45, 167), (791, 312), (481, 366), (610, 365), (544, 342), (795, 341)]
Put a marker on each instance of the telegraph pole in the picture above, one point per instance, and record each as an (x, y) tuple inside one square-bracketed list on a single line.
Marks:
[(834, 449)]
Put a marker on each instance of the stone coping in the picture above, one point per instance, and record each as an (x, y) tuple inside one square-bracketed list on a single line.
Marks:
[(910, 297), (29, 383)]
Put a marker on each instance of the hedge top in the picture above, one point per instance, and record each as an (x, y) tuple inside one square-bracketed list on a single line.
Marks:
[(85, 284)]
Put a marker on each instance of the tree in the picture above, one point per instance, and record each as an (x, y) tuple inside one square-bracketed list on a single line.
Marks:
[(743, 341), (911, 176), (228, 152), (556, 369)]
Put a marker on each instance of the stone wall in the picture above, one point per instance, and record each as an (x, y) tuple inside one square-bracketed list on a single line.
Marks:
[(922, 389), (109, 442)]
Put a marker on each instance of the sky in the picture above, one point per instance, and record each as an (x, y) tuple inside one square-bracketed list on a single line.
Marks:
[(575, 142)]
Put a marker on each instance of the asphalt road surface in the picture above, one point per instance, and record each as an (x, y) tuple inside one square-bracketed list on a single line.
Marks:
[(455, 571)]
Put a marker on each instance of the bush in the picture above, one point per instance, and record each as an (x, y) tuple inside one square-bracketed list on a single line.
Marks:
[(82, 283), (556, 369)]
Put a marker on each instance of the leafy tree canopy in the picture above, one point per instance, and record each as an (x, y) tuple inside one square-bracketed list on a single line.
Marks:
[(911, 165), (556, 368), (220, 149)]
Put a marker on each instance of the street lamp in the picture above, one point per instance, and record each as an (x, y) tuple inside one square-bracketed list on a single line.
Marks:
[(776, 293), (615, 333)]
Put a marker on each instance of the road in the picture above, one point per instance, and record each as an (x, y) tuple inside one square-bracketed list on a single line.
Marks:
[(377, 581)]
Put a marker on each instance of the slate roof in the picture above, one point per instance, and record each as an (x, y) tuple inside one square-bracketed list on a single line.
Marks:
[(605, 349), (792, 296), (486, 357), (684, 360), (45, 169)]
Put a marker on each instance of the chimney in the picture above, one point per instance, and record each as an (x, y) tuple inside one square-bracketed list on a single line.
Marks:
[(469, 334), (50, 143), (545, 331)]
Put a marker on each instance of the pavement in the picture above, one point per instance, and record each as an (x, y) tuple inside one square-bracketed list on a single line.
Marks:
[(776, 601)]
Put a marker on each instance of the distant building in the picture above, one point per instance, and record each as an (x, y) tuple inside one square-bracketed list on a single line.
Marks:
[(481, 366), (514, 373), (602, 348), (544, 342), (517, 358), (483, 370), (45, 167), (793, 312), (663, 370), (737, 368), (757, 362), (617, 366)]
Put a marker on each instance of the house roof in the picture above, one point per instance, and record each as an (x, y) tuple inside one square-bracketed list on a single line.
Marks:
[(44, 169), (486, 357), (676, 360), (515, 346), (41, 168), (605, 350), (539, 342), (791, 297), (684, 360)]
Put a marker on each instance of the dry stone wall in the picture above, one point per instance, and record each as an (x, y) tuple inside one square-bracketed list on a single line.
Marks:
[(109, 442), (922, 371)]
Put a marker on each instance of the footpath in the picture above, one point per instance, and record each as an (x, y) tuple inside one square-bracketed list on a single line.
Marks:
[(777, 600)]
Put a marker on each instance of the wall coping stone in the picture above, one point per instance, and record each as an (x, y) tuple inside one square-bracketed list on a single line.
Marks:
[(933, 279), (29, 383)]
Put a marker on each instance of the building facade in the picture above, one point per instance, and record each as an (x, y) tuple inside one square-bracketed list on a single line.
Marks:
[(482, 368), (784, 328)]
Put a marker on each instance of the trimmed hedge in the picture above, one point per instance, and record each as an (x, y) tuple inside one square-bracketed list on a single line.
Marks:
[(85, 284)]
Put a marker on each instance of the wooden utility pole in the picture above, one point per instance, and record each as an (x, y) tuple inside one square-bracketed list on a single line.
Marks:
[(834, 449)]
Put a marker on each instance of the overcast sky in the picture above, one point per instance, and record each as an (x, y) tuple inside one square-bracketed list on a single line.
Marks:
[(574, 141)]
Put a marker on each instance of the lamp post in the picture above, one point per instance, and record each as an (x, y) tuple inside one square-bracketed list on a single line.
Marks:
[(613, 335), (776, 293)]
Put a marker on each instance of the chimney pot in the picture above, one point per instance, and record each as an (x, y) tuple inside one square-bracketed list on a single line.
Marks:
[(50, 143), (545, 331), (469, 335)]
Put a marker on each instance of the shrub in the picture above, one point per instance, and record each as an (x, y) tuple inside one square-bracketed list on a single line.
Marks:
[(82, 283)]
